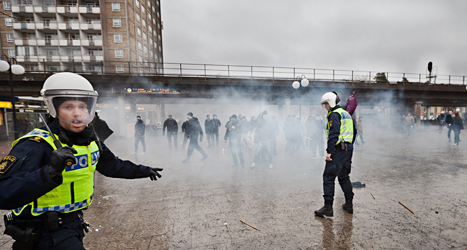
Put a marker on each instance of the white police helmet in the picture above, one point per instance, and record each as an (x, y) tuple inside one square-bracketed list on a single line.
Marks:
[(61, 87), (330, 98)]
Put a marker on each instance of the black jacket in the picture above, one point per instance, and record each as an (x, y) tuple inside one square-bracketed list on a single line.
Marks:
[(184, 124), (265, 130), (215, 125), (171, 125), (140, 128), (457, 124), (193, 129), (234, 131)]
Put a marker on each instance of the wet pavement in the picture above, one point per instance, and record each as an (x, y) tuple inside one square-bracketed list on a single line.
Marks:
[(199, 205)]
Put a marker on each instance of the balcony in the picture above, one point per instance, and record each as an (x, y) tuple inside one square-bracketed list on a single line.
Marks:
[(51, 9), (24, 25), (39, 26), (29, 9), (15, 9), (90, 9), (39, 9)]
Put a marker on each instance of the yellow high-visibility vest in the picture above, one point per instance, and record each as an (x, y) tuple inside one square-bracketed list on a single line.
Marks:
[(77, 189), (346, 129)]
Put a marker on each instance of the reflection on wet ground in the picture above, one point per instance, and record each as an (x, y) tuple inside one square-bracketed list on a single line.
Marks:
[(200, 205)]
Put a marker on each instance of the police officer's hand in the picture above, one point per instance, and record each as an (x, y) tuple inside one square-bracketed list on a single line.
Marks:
[(60, 159), (328, 157), (154, 174)]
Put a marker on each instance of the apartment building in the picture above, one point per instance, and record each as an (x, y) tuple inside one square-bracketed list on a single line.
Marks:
[(109, 36)]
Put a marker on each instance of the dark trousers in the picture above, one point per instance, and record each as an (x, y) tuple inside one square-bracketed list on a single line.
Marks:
[(317, 145), (210, 139), (137, 140), (339, 167), (66, 237), (449, 132), (192, 146), (169, 138), (457, 136), (216, 134), (264, 147), (236, 150), (185, 139)]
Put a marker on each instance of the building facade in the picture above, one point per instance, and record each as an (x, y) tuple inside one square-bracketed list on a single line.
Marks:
[(89, 36)]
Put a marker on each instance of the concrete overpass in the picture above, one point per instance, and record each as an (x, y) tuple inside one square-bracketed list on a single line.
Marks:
[(130, 89)]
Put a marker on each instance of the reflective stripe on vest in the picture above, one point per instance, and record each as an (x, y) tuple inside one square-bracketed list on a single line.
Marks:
[(346, 130), (77, 189)]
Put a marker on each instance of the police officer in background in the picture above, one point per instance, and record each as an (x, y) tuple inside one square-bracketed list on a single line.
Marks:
[(48, 179), (172, 130), (340, 132), (234, 133)]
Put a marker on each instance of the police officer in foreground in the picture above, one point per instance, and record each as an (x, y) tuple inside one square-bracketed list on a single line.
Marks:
[(47, 179), (340, 132)]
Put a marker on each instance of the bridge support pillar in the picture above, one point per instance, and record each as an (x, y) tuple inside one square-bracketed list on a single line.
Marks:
[(417, 110), (121, 116), (160, 113), (287, 106), (280, 110)]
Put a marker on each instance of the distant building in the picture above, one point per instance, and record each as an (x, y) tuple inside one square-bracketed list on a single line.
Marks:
[(83, 35)]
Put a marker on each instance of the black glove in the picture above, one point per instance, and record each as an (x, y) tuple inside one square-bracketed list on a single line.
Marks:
[(60, 159), (154, 174)]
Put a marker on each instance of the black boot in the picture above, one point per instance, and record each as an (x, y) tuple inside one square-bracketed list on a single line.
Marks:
[(324, 211), (348, 206)]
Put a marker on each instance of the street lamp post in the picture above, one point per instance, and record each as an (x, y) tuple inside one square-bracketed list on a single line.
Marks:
[(304, 83), (12, 69)]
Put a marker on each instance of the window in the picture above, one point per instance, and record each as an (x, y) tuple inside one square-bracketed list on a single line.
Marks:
[(137, 3), (116, 7), (150, 41), (149, 16), (155, 34), (153, 9), (155, 45), (150, 29), (138, 30), (149, 4), (118, 38), (11, 53), (140, 46), (120, 68), (6, 5), (144, 23), (143, 10), (140, 59), (145, 50), (8, 21), (138, 17), (154, 21), (10, 38), (117, 22), (145, 37), (118, 53)]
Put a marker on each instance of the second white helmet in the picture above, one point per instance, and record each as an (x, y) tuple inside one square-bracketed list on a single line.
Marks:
[(330, 98)]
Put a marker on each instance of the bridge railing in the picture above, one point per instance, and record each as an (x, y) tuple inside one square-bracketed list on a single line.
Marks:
[(244, 72)]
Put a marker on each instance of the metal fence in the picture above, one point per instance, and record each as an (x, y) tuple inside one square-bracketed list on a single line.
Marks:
[(229, 72)]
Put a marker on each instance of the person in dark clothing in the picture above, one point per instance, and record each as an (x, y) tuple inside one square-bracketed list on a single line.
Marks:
[(441, 121), (457, 126), (208, 130), (47, 179), (234, 134), (245, 131), (172, 130), (194, 131), (185, 136), (215, 125), (315, 134), (264, 134), (448, 120), (140, 129), (288, 127), (102, 129)]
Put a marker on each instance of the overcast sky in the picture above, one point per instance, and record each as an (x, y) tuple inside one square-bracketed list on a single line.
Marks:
[(389, 36)]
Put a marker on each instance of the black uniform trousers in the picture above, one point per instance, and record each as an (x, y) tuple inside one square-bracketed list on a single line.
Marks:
[(185, 139), (137, 140), (192, 146), (339, 167)]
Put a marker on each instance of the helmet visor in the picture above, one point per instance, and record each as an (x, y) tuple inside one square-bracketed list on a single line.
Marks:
[(77, 111)]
